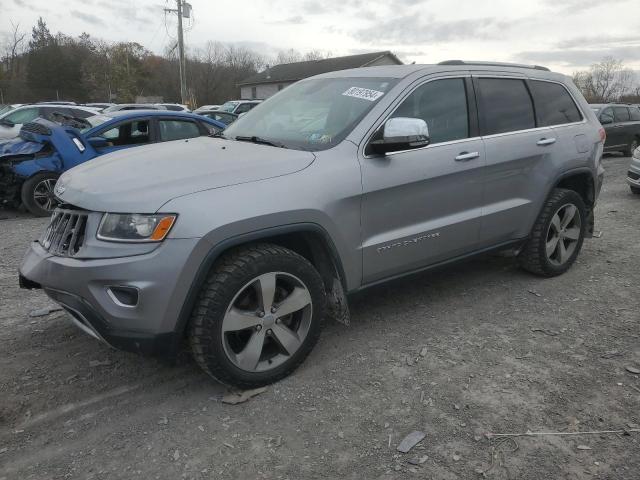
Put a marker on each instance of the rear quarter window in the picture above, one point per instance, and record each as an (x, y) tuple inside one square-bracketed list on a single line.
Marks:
[(505, 105), (554, 105)]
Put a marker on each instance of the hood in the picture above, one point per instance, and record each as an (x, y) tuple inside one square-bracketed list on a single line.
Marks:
[(18, 146), (142, 179)]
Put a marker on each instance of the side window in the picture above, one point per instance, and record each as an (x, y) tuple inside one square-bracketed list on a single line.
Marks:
[(23, 116), (606, 116), (621, 114), (129, 133), (177, 130), (554, 105), (505, 105), (443, 105), (245, 107), (634, 112)]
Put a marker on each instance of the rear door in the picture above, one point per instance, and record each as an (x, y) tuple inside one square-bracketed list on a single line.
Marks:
[(169, 129), (517, 152), (623, 125), (615, 137), (423, 206)]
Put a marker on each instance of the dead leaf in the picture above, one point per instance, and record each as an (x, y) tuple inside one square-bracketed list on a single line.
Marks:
[(233, 398), (410, 441), (583, 447), (633, 370)]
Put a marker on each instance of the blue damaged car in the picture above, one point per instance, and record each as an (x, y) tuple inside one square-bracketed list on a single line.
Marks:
[(31, 163)]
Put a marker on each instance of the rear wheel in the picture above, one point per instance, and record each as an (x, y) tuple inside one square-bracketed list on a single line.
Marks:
[(557, 235), (37, 194), (258, 316)]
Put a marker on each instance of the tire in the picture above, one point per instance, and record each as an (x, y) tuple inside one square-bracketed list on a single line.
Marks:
[(37, 194), (635, 190), (534, 256), (230, 300), (631, 148)]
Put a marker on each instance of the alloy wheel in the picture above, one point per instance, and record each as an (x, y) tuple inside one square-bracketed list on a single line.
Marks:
[(267, 321), (563, 234), (43, 194)]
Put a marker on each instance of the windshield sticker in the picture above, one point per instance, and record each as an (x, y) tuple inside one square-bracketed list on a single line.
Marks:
[(363, 93)]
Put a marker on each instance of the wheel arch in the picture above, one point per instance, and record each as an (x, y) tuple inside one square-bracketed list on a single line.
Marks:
[(580, 181), (309, 240)]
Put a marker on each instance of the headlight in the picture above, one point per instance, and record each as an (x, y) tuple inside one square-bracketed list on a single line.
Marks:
[(135, 227)]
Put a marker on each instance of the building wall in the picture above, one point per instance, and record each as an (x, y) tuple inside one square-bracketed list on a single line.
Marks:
[(263, 91)]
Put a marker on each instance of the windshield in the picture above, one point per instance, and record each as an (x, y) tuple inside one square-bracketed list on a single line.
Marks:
[(94, 121), (312, 114), (228, 106), (5, 109)]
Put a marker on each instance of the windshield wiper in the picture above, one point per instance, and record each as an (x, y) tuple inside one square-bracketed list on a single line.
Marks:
[(218, 135), (260, 141)]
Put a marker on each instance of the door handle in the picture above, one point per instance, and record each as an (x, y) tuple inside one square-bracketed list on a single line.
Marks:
[(545, 141), (466, 156)]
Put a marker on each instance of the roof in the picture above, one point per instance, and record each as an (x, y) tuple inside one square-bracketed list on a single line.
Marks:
[(160, 113), (290, 72)]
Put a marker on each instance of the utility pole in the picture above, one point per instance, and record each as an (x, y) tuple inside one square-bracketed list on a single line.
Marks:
[(183, 10)]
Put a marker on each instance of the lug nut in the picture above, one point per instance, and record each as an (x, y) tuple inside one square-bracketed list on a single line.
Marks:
[(258, 327), (278, 321), (261, 314), (269, 332), (273, 309)]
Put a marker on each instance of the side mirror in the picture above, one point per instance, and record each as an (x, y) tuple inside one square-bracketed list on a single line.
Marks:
[(6, 122), (606, 119), (98, 142), (401, 133)]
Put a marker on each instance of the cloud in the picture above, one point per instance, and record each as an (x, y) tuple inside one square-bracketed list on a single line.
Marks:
[(579, 6), (88, 18), (414, 29), (599, 41), (295, 20), (580, 57)]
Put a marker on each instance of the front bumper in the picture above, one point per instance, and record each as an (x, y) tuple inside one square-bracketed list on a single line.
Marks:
[(162, 279)]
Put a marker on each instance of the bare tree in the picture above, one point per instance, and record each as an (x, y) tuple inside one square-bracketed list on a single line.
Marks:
[(606, 81), (13, 48)]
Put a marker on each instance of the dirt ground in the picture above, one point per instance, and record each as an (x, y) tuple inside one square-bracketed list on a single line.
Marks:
[(502, 351)]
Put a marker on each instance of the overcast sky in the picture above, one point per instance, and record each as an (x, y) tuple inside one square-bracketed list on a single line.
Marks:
[(563, 34)]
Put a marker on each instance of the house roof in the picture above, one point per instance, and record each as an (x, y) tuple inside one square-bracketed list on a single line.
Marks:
[(291, 72)]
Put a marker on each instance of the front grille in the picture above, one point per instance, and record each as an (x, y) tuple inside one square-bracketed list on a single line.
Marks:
[(633, 175), (34, 127), (65, 234)]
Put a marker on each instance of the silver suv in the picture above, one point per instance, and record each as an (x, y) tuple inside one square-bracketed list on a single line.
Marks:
[(244, 243)]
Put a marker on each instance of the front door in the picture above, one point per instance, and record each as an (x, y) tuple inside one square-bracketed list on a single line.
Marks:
[(423, 206)]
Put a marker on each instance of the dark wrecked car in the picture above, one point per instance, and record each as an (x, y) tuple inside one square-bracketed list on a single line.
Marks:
[(31, 163)]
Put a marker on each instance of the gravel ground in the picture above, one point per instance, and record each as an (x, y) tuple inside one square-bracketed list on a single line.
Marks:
[(479, 347)]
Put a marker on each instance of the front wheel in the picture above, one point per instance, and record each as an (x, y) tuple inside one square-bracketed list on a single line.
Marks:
[(258, 316), (635, 190), (37, 194), (557, 235)]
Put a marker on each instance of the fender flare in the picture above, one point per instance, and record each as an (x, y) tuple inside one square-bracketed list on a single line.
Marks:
[(218, 249)]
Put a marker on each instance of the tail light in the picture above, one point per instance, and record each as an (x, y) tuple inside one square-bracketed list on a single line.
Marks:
[(603, 134)]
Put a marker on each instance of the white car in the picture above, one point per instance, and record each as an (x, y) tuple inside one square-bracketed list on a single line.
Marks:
[(206, 108), (12, 120), (174, 107), (239, 106)]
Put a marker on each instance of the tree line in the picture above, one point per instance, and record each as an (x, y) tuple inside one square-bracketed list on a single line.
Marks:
[(46, 66), (608, 81)]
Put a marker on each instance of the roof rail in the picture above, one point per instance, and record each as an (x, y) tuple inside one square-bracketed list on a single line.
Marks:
[(493, 64)]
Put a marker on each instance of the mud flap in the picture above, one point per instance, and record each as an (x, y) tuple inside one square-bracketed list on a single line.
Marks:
[(590, 224), (337, 306)]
